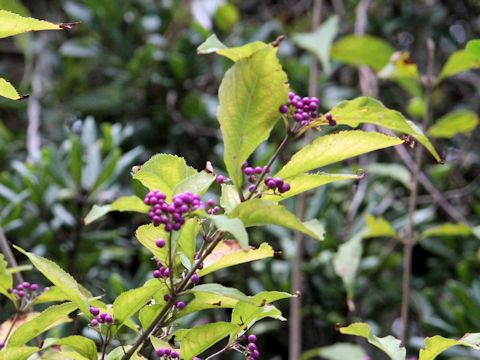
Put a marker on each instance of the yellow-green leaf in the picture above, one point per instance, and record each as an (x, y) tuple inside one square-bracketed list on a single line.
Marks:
[(457, 122), (458, 62), (304, 182), (388, 344), (447, 229), (64, 281), (371, 111), (51, 317), (7, 90), (378, 227), (225, 259), (250, 94), (164, 172), (13, 24), (258, 212), (84, 346), (213, 45), (125, 203), (333, 148), (473, 48), (21, 353), (362, 50), (200, 338), (148, 234), (435, 345)]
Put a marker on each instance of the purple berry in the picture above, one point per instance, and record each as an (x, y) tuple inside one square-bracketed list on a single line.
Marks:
[(200, 266), (252, 338), (103, 316), (298, 117), (255, 354), (166, 272), (220, 179), (211, 202), (167, 297), (94, 311), (160, 243), (244, 164), (283, 109), (278, 182), (94, 322), (2, 345), (10, 290), (168, 351), (284, 188), (180, 305), (26, 285), (258, 170), (174, 355), (108, 318), (157, 274), (251, 346), (195, 278), (249, 170), (251, 187), (99, 319), (160, 352), (291, 94), (21, 293)]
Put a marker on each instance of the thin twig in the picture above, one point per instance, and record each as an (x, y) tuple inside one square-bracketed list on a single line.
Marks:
[(295, 318), (410, 239), (7, 252)]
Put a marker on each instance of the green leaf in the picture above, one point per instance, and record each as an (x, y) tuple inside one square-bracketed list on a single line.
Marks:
[(80, 344), (362, 50), (197, 183), (235, 258), (245, 315), (303, 182), (22, 353), (230, 198), (394, 171), (402, 70), (53, 294), (164, 172), (371, 111), (149, 313), (329, 149), (205, 301), (219, 290), (202, 337), (320, 41), (378, 227), (64, 281), (51, 317), (346, 262), (233, 226), (7, 90), (250, 94), (458, 62), (267, 297), (14, 24), (119, 352), (338, 351), (473, 48), (125, 203), (131, 301), (148, 234), (187, 237), (447, 229), (257, 212), (388, 344), (213, 45), (435, 345), (157, 343), (6, 279), (457, 122)]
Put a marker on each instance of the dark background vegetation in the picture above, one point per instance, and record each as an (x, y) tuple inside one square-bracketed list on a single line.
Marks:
[(126, 83)]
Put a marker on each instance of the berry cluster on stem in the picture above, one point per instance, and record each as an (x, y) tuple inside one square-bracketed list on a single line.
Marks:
[(252, 352), (25, 289), (167, 353), (172, 215), (100, 317)]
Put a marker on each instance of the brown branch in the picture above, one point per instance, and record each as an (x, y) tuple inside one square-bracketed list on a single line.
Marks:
[(295, 318)]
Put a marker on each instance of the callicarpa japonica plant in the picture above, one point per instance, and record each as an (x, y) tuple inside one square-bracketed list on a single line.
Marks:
[(190, 235)]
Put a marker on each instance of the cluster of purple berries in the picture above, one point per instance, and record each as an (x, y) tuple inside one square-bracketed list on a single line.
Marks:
[(252, 351), (212, 207), (167, 353), (252, 173), (303, 110), (24, 289), (162, 272), (100, 318), (277, 184), (171, 215)]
